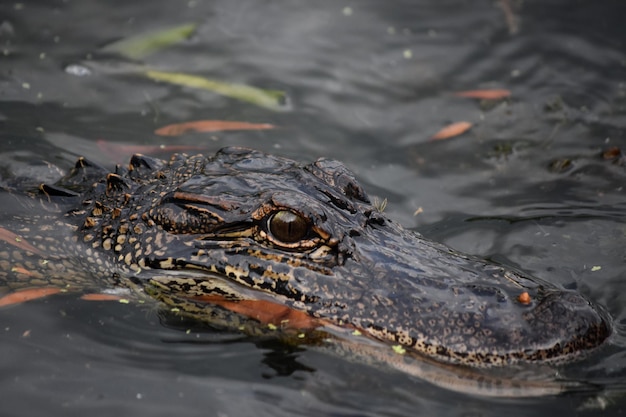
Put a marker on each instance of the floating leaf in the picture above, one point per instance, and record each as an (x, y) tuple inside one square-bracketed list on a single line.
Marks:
[(142, 45), (15, 240), (399, 349), (511, 20), (22, 271), (452, 130), (270, 99), (209, 126), (273, 314), (100, 297), (612, 153), (21, 296), (484, 94)]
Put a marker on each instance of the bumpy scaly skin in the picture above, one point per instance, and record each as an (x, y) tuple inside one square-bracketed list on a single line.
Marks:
[(200, 225)]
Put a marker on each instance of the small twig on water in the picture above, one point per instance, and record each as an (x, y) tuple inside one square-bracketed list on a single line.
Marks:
[(511, 20)]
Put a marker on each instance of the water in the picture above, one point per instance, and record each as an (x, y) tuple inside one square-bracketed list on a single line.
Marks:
[(369, 83)]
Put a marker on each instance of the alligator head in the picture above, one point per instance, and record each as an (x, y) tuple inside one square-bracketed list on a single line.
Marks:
[(243, 225)]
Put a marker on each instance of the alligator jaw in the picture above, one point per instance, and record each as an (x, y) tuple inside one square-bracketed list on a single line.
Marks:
[(260, 314)]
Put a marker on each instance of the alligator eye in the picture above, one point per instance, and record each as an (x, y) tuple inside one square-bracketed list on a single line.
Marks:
[(288, 227)]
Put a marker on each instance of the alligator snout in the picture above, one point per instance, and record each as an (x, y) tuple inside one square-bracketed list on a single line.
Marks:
[(460, 309), (564, 322)]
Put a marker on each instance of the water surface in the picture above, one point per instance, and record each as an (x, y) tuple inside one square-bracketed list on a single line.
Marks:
[(368, 83)]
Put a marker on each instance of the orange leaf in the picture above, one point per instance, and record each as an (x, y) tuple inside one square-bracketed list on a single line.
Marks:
[(266, 312), (100, 297), (209, 126), (484, 94), (21, 296), (452, 130), (22, 271), (15, 240)]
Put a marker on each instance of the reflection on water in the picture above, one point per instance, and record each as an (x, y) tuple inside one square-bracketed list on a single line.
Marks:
[(528, 185)]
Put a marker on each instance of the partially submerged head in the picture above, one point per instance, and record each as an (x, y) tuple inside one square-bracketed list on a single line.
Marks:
[(244, 225)]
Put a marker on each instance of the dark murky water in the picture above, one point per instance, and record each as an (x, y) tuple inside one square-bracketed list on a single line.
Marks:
[(369, 83)]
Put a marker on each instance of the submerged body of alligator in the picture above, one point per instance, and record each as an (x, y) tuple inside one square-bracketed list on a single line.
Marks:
[(217, 234)]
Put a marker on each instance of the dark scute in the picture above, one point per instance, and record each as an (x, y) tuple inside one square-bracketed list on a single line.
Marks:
[(144, 167), (240, 159), (53, 190), (80, 178), (336, 174), (116, 182), (84, 163), (142, 161), (182, 219), (375, 218)]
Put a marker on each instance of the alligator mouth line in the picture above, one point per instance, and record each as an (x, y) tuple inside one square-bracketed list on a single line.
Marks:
[(512, 382), (205, 287), (348, 340)]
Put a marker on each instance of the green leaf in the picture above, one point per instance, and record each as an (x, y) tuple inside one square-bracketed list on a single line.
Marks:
[(142, 45), (399, 349), (270, 99)]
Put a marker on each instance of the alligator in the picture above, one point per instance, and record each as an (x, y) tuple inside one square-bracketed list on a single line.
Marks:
[(251, 241)]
